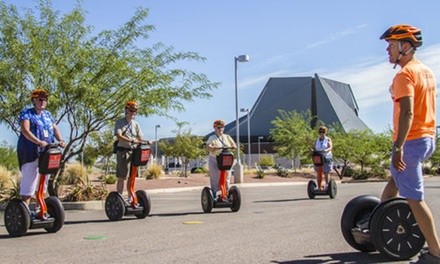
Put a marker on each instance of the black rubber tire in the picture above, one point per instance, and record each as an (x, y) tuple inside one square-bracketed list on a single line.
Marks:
[(332, 189), (17, 218), (394, 230), (207, 200), (114, 206), (55, 209), (145, 202), (357, 209), (235, 198), (311, 187)]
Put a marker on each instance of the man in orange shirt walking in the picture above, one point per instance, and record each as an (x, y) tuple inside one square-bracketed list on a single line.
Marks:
[(414, 97)]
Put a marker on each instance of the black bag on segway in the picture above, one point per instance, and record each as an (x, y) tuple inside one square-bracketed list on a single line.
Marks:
[(225, 160), (318, 158), (49, 161), (141, 155), (115, 147)]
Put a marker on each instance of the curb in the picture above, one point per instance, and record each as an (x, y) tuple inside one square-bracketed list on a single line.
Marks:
[(99, 205)]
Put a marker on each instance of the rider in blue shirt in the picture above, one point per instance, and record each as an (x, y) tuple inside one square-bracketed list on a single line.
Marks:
[(38, 129)]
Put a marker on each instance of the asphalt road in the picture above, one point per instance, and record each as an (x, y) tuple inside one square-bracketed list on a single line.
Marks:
[(276, 224)]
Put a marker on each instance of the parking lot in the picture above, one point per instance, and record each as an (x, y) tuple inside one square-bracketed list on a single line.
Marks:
[(276, 224)]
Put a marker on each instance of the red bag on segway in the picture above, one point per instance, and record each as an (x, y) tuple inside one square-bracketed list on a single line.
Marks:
[(49, 161), (225, 160), (141, 155), (318, 158)]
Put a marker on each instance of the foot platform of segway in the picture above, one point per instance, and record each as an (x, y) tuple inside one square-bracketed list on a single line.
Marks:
[(130, 210), (361, 236), (40, 223), (222, 204)]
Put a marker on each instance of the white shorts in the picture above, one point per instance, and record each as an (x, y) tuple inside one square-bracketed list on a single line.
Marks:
[(29, 178)]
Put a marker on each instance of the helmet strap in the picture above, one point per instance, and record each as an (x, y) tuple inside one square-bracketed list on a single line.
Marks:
[(401, 53)]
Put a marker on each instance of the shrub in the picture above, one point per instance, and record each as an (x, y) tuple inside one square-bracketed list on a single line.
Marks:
[(111, 179), (154, 171), (282, 172), (200, 170), (266, 160), (348, 171), (74, 174), (361, 175), (86, 193), (379, 172), (5, 178), (11, 192), (260, 174)]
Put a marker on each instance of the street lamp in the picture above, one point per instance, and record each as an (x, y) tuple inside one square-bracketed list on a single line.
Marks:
[(155, 143), (249, 134), (238, 172), (259, 138)]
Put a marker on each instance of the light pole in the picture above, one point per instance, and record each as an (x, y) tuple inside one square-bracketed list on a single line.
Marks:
[(249, 135), (259, 138), (155, 142), (238, 171)]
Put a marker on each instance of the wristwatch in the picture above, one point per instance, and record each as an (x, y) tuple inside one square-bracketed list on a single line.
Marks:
[(398, 149)]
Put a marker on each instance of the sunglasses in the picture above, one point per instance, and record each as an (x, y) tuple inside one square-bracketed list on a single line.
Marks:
[(321, 132), (42, 99), (220, 127), (133, 111)]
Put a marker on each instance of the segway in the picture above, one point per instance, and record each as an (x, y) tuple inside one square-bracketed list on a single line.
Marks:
[(231, 199), (115, 205), (389, 227), (312, 186), (50, 216)]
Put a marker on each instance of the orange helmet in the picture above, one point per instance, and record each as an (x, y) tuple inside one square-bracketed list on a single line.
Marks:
[(404, 33), (132, 105), (218, 122), (39, 93)]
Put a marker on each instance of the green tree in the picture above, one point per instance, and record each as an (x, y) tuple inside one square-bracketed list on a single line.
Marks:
[(100, 144), (89, 77), (186, 146), (292, 134), (8, 156)]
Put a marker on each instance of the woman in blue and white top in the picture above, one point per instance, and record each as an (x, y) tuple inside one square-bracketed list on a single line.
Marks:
[(38, 129), (324, 146)]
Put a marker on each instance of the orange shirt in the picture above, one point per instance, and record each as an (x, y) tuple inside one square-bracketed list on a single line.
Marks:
[(418, 81)]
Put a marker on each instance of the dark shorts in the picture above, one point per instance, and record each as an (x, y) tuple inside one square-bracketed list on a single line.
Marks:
[(123, 158)]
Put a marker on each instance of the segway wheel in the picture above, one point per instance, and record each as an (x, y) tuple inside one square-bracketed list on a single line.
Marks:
[(114, 206), (332, 189), (235, 198), (358, 210), (56, 210), (17, 218), (394, 230), (207, 200), (145, 202), (311, 187)]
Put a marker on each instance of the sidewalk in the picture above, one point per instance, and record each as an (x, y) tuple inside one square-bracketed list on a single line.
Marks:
[(196, 182)]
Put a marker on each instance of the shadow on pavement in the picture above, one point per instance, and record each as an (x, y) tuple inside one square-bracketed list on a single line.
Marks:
[(351, 257), (188, 213), (282, 201), (97, 221)]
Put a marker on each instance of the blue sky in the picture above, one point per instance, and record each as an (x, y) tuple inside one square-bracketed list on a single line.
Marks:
[(284, 38)]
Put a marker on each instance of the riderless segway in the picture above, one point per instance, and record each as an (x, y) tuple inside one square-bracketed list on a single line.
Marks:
[(389, 227), (231, 199), (19, 218), (312, 187), (115, 205)]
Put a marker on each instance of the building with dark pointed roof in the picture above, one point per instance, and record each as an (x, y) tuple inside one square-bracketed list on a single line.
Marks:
[(328, 100)]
